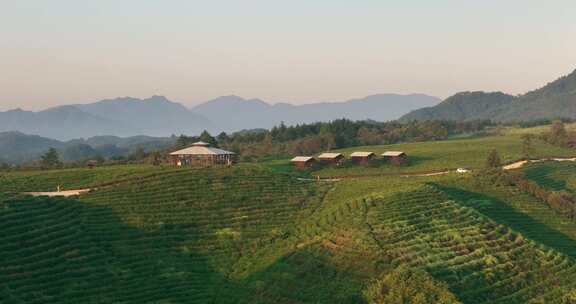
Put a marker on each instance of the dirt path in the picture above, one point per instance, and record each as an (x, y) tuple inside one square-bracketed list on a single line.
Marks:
[(522, 163), (66, 193)]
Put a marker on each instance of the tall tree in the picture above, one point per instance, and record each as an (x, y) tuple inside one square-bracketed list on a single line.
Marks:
[(558, 135), (527, 147), (493, 160), (207, 138), (50, 159)]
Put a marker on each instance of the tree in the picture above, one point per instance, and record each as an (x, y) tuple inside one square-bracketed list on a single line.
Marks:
[(527, 147), (207, 138), (493, 160), (222, 138), (139, 154), (404, 285), (368, 136), (50, 159), (558, 135), (155, 158)]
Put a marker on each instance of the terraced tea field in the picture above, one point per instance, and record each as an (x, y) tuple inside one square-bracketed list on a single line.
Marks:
[(557, 176), (172, 238), (480, 260), (29, 181), (255, 234)]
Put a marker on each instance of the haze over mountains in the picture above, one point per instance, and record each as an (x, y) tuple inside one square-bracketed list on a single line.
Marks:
[(158, 116), (557, 99)]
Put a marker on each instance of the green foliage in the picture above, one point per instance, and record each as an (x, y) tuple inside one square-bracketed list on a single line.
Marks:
[(493, 160), (527, 145), (408, 286), (558, 135), (50, 159), (207, 138)]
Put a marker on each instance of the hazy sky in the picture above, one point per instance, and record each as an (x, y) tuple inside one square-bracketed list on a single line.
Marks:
[(73, 51)]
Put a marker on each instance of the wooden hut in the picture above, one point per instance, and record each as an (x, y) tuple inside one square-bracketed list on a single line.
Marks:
[(303, 162), (362, 158), (331, 158), (395, 157), (200, 154), (91, 164)]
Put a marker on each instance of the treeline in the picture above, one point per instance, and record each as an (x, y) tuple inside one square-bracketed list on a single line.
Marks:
[(304, 139)]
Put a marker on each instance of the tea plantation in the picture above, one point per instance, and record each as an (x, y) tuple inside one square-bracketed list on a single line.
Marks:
[(252, 234)]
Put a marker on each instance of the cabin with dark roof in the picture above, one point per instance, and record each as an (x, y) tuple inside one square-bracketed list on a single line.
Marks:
[(336, 159), (362, 158), (395, 157), (303, 162)]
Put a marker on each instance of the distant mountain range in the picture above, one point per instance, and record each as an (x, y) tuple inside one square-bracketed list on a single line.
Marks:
[(155, 116), (158, 116), (555, 100), (232, 113)]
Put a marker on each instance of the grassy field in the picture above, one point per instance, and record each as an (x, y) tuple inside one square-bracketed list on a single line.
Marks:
[(448, 154), (257, 234)]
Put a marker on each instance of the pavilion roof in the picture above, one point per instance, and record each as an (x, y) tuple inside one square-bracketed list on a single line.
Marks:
[(201, 148)]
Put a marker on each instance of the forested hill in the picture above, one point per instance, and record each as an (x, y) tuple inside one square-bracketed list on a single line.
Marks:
[(555, 100), (464, 106)]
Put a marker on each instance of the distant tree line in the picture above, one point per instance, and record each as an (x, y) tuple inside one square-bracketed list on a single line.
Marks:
[(305, 139)]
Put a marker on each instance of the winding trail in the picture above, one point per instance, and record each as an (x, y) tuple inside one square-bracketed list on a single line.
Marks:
[(522, 163), (65, 193)]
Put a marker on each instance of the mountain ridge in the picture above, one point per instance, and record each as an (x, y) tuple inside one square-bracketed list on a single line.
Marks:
[(556, 99), (160, 117)]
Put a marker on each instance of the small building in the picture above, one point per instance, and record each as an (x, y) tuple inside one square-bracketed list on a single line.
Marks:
[(200, 154), (395, 157), (303, 162), (362, 158), (91, 164), (332, 158)]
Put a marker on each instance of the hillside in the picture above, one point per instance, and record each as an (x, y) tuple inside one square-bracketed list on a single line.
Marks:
[(249, 234), (18, 148), (555, 100), (463, 106)]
